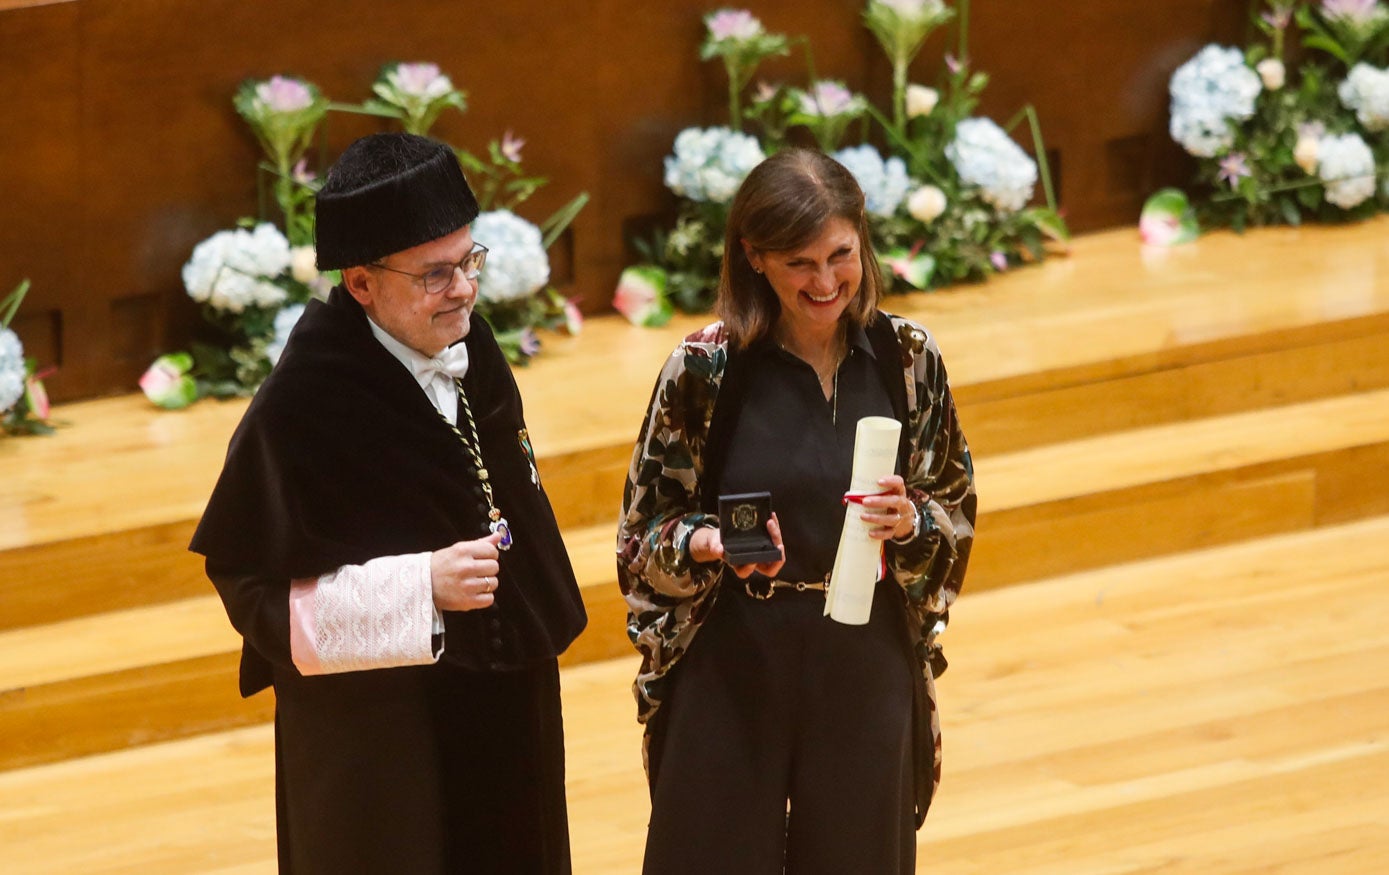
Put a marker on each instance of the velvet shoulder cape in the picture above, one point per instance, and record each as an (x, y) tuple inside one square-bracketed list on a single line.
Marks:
[(341, 458)]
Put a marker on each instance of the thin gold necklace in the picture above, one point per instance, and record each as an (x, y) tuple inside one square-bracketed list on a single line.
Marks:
[(832, 376)]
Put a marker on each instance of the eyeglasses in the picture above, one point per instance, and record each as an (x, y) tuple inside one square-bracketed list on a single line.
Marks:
[(440, 279)]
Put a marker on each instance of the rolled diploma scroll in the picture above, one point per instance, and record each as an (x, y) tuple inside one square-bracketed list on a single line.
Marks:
[(850, 595)]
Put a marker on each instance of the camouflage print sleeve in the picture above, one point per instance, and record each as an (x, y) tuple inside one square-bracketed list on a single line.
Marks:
[(667, 594), (940, 482)]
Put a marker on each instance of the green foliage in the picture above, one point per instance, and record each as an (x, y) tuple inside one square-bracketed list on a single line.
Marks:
[(1270, 173), (967, 242)]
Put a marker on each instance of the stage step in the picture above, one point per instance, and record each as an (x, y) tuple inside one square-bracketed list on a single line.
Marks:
[(1190, 708), (162, 671), (1130, 495), (1112, 339)]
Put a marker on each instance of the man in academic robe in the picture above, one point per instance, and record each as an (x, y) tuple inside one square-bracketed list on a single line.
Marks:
[(381, 539)]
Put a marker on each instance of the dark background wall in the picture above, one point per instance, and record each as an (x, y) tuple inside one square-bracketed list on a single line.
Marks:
[(120, 150)]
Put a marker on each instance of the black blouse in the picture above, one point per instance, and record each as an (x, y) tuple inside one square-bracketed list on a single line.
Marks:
[(791, 442)]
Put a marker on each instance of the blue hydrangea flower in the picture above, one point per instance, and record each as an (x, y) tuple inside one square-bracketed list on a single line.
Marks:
[(1209, 92), (709, 164), (985, 156), (12, 371), (285, 321), (884, 183), (517, 265)]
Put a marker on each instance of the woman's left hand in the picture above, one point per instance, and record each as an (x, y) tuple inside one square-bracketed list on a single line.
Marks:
[(767, 569), (890, 512)]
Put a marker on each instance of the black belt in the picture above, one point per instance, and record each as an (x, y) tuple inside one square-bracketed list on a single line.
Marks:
[(765, 589)]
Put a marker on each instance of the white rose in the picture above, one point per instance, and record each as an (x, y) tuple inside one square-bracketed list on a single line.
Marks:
[(926, 204), (1271, 71), (921, 100), (1306, 153), (303, 264)]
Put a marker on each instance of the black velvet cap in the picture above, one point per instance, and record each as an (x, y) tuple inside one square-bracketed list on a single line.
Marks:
[(387, 193)]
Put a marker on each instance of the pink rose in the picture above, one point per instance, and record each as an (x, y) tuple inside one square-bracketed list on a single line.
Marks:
[(1167, 219), (734, 24), (1159, 230), (167, 383), (826, 99), (421, 80), (573, 317), (511, 147), (284, 94), (36, 396), (1359, 11), (911, 266), (641, 296)]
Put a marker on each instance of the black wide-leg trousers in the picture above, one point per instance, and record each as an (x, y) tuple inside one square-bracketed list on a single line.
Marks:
[(785, 743)]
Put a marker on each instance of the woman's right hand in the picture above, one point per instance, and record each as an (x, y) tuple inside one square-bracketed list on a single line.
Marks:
[(706, 545)]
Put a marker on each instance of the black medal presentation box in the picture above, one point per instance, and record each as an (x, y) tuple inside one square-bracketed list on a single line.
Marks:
[(743, 527)]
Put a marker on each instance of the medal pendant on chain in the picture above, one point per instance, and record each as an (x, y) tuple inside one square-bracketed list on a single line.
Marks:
[(499, 526)]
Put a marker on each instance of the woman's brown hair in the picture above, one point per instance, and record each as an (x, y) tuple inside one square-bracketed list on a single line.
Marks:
[(783, 205)]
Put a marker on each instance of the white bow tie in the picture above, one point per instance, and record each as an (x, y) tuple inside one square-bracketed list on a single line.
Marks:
[(452, 363)]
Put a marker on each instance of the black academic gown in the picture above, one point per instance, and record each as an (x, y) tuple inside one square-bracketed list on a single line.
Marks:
[(340, 459)]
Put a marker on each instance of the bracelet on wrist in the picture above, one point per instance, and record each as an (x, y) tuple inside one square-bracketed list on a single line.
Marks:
[(916, 527)]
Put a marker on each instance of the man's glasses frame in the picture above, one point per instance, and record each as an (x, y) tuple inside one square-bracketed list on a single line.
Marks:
[(441, 278)]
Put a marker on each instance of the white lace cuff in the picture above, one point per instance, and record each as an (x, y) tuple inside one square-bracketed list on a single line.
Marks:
[(377, 615)]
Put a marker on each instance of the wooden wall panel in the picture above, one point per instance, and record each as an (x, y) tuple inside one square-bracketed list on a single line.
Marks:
[(121, 149), (40, 227)]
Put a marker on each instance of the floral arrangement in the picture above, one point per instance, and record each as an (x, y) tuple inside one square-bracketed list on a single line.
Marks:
[(1281, 146), (948, 198), (253, 281), (284, 114), (514, 291), (416, 94), (24, 407)]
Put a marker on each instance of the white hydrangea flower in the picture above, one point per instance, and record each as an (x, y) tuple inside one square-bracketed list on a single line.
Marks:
[(233, 270), (285, 320), (987, 157), (1213, 89), (1366, 91), (884, 183), (1347, 167), (710, 163), (517, 265), (12, 371)]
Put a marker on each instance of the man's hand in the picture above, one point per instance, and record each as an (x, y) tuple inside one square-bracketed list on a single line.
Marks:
[(464, 575)]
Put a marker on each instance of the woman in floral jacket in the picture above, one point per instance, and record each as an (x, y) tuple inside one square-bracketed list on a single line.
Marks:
[(771, 705)]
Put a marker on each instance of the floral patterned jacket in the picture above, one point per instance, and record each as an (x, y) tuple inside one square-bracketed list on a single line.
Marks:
[(684, 438)]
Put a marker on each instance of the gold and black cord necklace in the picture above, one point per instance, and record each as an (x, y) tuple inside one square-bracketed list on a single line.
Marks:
[(473, 444)]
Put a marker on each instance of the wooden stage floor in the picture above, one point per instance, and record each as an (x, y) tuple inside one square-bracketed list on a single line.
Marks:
[(1216, 713), (1171, 656)]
